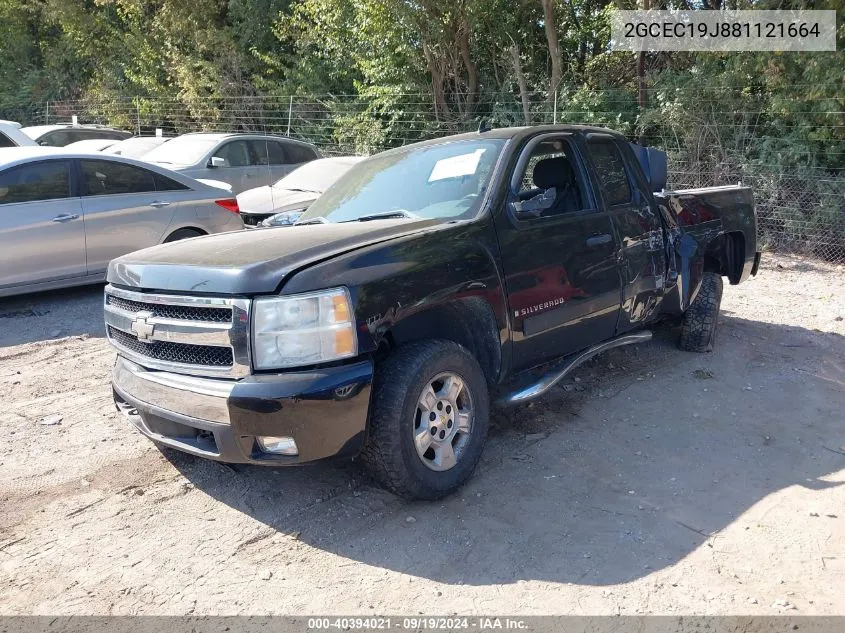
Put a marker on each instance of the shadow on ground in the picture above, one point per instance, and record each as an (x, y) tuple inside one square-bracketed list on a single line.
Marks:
[(656, 453), (53, 314)]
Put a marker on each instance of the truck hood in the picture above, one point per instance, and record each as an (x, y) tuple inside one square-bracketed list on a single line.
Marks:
[(250, 262)]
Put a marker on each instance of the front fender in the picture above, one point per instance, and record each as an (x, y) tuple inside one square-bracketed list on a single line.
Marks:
[(392, 281)]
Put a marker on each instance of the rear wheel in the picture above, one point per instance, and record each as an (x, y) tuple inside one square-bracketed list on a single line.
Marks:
[(698, 329), (429, 420), (182, 234)]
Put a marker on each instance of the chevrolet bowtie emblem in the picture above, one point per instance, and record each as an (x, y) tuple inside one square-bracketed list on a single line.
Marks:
[(141, 327)]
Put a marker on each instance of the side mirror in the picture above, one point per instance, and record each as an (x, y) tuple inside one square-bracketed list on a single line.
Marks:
[(216, 161)]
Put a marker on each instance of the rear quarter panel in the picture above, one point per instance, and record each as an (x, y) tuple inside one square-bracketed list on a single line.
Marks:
[(694, 219)]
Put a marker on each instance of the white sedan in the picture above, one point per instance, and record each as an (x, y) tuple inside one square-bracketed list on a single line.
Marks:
[(64, 215), (90, 145), (294, 193), (11, 135)]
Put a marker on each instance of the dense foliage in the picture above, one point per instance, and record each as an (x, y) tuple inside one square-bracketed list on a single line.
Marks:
[(387, 72)]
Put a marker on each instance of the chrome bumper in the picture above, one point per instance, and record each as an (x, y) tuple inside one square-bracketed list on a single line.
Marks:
[(203, 398), (324, 410)]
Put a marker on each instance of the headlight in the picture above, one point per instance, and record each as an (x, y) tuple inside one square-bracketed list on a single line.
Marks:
[(303, 329), (286, 218)]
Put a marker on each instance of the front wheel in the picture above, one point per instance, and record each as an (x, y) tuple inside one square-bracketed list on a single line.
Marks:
[(431, 411)]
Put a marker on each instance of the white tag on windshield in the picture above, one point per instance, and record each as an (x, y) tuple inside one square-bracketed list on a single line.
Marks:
[(456, 166)]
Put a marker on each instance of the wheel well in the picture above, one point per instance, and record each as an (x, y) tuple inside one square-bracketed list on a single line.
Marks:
[(725, 255), (196, 229), (468, 322)]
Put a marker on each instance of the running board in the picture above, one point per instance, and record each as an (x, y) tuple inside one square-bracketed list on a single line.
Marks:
[(562, 367)]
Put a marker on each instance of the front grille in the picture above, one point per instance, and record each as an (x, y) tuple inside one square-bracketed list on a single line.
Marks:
[(208, 355), (196, 335), (166, 311)]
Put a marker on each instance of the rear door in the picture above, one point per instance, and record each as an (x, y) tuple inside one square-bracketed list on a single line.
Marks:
[(264, 158), (639, 230), (295, 154), (126, 208), (558, 254), (42, 235)]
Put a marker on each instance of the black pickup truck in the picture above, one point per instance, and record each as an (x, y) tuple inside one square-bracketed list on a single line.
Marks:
[(428, 281)]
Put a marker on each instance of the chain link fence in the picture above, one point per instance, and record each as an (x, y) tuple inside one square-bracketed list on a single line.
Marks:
[(801, 206)]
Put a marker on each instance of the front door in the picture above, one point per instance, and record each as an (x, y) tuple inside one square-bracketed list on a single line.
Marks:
[(558, 254), (42, 234), (237, 169)]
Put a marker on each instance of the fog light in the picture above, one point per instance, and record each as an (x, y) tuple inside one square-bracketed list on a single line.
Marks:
[(277, 445)]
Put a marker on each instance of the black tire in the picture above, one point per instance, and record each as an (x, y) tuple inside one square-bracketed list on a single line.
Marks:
[(698, 328), (390, 454), (182, 234)]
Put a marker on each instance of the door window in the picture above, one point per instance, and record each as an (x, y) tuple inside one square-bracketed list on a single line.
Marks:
[(49, 180), (163, 183), (103, 178), (235, 154), (277, 154), (549, 184), (259, 152), (297, 153), (5, 141), (610, 170)]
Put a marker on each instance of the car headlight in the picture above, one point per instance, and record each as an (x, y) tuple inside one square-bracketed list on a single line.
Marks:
[(286, 218), (303, 329)]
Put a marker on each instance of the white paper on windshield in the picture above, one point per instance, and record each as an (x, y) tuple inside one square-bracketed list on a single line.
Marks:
[(456, 166)]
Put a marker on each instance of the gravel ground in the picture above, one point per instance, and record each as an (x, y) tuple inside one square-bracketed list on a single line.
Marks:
[(653, 482)]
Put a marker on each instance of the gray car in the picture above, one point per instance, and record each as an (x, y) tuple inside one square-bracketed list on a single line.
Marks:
[(64, 215), (244, 161)]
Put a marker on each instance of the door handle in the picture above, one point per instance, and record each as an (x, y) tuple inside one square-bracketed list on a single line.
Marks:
[(598, 240), (66, 217), (159, 203)]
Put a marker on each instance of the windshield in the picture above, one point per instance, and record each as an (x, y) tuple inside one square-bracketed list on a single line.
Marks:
[(182, 150), (445, 181), (316, 176)]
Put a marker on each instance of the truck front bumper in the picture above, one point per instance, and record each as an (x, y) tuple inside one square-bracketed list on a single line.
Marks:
[(323, 410)]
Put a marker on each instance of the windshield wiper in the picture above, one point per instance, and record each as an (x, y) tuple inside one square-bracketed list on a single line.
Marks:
[(317, 220), (396, 213), (298, 189)]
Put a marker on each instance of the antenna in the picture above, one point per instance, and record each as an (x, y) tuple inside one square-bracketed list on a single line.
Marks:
[(483, 126)]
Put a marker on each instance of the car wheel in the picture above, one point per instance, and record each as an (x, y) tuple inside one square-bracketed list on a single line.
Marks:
[(698, 328), (182, 234), (429, 420)]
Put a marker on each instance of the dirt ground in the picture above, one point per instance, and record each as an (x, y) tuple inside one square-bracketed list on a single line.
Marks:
[(654, 482)]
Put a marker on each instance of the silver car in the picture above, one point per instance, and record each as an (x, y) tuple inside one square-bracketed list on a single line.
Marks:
[(244, 161), (65, 215)]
